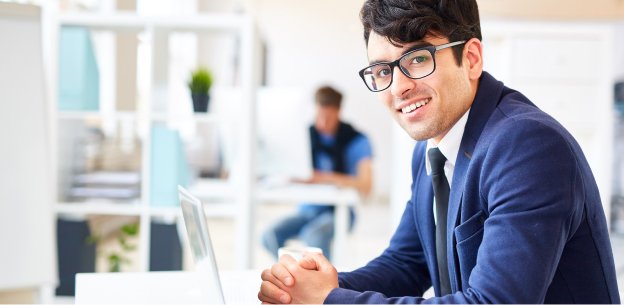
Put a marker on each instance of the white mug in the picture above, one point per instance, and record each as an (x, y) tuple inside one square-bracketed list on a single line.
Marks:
[(297, 251)]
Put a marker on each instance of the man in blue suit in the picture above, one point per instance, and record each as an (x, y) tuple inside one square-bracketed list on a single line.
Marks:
[(504, 207)]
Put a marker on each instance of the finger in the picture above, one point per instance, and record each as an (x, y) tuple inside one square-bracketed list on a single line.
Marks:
[(262, 299), (265, 299), (308, 263), (289, 262), (273, 294), (267, 275), (269, 293), (315, 261), (285, 269)]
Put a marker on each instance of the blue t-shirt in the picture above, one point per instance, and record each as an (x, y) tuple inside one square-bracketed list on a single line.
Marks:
[(358, 149)]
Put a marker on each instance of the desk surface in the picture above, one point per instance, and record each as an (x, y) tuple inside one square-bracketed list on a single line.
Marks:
[(294, 193), (208, 189), (166, 287), (318, 193)]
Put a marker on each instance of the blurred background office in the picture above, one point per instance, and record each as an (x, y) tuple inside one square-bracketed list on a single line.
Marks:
[(109, 100)]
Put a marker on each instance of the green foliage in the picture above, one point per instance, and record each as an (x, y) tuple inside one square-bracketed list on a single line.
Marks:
[(128, 231), (201, 80), (117, 259), (92, 240)]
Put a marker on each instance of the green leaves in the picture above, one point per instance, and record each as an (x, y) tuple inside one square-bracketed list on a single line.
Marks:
[(201, 80), (130, 229)]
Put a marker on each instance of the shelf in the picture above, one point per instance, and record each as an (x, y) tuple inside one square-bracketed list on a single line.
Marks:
[(218, 210), (212, 189), (131, 115), (132, 208), (226, 210), (197, 117), (133, 22), (221, 198), (167, 212), (206, 118), (91, 115)]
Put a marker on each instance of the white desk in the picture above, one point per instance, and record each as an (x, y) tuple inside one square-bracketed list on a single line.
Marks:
[(166, 287), (294, 193), (341, 198)]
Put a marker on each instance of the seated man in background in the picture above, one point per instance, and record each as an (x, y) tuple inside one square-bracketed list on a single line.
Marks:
[(341, 156)]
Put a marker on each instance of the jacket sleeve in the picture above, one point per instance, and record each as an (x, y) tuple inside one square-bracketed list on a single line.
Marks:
[(533, 190), (401, 270)]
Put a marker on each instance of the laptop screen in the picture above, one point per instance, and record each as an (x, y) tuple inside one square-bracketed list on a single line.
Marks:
[(199, 241)]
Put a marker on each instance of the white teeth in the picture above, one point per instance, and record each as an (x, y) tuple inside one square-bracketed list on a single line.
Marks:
[(412, 107)]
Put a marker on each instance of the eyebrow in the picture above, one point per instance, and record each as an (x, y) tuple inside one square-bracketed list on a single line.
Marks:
[(419, 45)]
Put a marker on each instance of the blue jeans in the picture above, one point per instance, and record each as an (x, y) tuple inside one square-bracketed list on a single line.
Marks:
[(315, 227)]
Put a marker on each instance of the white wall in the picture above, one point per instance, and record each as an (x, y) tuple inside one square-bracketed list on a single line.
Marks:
[(311, 43), (619, 49), (27, 258)]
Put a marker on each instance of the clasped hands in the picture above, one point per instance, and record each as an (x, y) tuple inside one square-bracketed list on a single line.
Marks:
[(307, 281)]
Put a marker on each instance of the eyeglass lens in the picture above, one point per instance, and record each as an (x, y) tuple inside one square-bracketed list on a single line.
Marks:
[(415, 64)]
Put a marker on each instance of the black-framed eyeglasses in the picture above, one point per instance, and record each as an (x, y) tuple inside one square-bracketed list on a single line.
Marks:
[(414, 64)]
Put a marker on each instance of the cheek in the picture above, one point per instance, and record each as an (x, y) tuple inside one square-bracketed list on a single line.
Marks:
[(318, 123), (386, 98), (448, 88)]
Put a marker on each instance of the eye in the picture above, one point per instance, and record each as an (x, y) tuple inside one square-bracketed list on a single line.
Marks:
[(416, 59), (419, 59), (381, 71)]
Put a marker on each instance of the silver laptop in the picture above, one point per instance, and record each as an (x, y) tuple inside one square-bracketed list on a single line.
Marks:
[(201, 246), (239, 287), (204, 286)]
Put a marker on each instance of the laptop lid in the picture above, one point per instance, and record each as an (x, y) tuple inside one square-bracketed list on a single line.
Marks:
[(200, 243)]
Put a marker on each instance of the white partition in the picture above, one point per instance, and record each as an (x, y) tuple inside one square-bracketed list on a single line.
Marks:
[(567, 69), (27, 258)]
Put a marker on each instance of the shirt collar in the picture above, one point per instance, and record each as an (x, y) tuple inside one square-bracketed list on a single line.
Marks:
[(449, 145)]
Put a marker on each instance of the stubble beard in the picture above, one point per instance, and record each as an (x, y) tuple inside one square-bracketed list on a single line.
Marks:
[(424, 132)]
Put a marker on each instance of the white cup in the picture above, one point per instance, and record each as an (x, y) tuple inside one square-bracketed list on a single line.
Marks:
[(297, 251)]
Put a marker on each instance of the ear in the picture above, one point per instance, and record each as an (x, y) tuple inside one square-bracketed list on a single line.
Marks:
[(473, 58)]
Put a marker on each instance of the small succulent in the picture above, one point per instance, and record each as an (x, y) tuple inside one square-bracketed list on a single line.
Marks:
[(201, 80)]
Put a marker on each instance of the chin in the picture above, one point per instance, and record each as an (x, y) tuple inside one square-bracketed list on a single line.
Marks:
[(423, 135)]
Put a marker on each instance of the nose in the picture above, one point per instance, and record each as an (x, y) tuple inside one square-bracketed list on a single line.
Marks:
[(401, 84)]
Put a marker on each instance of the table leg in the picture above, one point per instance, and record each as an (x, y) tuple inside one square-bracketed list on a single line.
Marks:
[(341, 222)]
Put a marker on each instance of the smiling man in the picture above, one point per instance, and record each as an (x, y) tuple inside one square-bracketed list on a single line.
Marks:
[(504, 207)]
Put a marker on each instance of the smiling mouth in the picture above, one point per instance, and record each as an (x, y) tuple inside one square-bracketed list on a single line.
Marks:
[(411, 107)]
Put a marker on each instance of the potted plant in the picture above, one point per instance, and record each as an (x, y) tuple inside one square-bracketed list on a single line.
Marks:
[(199, 84), (120, 257)]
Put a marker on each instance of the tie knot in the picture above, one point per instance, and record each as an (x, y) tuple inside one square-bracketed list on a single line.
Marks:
[(437, 160)]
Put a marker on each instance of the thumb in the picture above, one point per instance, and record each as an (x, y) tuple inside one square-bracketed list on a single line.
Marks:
[(314, 261), (308, 263)]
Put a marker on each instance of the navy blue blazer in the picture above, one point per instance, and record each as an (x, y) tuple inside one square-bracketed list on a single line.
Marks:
[(525, 221)]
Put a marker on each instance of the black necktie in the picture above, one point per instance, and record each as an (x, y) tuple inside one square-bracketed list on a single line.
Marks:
[(441, 192)]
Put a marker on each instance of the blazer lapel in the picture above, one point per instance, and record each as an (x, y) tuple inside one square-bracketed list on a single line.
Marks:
[(486, 100), (455, 199)]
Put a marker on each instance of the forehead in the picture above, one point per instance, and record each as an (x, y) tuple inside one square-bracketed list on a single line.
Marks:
[(381, 49), (325, 110)]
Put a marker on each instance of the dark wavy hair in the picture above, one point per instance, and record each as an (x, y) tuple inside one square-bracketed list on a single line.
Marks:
[(405, 21)]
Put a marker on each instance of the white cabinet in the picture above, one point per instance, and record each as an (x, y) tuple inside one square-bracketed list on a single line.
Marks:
[(566, 69), (149, 113)]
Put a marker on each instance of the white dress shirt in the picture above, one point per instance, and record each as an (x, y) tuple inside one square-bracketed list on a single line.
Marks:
[(449, 146)]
